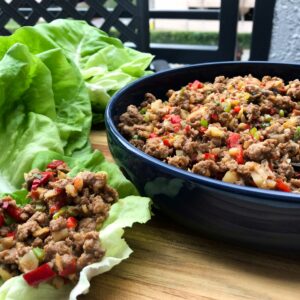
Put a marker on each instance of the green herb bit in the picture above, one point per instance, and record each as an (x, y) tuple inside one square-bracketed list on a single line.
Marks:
[(264, 125), (257, 135), (135, 137), (181, 93), (227, 107), (268, 118), (297, 134), (60, 212), (253, 131), (143, 110), (204, 123), (39, 253), (281, 113)]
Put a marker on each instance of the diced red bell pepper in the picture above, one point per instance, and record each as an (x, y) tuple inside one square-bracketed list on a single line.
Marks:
[(176, 127), (240, 156), (69, 269), (167, 142), (237, 109), (34, 194), (187, 128), (55, 163), (152, 135), (14, 212), (41, 181), (233, 140), (202, 129), (282, 90), (56, 207), (72, 222), (2, 221), (282, 186), (195, 85), (175, 119), (11, 234), (215, 117), (38, 275), (210, 156)]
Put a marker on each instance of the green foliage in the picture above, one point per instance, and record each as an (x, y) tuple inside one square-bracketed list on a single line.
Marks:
[(194, 38)]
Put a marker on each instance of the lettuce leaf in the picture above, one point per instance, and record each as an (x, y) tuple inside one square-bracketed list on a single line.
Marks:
[(44, 105), (105, 64), (55, 88), (26, 123)]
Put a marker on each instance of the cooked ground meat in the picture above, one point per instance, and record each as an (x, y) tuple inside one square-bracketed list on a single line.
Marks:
[(59, 226), (242, 130)]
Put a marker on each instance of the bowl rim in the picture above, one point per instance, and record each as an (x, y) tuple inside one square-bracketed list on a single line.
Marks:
[(177, 172)]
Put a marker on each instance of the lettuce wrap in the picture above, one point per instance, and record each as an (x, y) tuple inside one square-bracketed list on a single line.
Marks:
[(105, 64), (45, 114), (126, 211)]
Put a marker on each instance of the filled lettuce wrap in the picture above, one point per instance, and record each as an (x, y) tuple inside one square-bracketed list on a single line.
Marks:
[(45, 115), (36, 283)]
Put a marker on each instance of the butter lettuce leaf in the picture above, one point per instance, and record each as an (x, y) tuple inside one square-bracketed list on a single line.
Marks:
[(105, 63), (44, 106), (26, 125)]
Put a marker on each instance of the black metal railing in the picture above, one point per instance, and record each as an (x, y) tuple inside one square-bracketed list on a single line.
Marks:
[(136, 29)]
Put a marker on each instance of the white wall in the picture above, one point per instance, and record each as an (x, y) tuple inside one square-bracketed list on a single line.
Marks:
[(285, 45)]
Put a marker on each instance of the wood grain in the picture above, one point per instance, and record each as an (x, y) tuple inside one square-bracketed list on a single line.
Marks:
[(170, 262)]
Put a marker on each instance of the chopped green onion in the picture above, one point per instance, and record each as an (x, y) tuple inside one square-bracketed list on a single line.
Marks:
[(60, 212), (181, 93), (135, 137), (257, 135), (143, 110), (264, 125), (268, 118), (227, 107), (281, 113), (204, 123), (297, 134), (253, 131), (39, 253)]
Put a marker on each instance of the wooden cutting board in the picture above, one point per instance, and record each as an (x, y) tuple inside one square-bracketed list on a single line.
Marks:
[(170, 262)]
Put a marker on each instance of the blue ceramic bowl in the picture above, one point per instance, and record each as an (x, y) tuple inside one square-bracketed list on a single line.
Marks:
[(246, 215)]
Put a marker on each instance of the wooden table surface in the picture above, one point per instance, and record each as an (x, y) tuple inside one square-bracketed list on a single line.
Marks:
[(170, 262)]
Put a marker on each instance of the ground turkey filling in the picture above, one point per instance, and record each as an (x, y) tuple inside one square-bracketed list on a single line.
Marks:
[(56, 235), (240, 130)]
